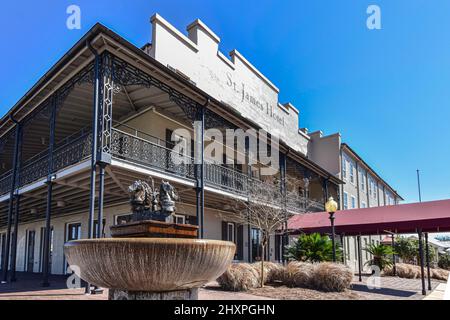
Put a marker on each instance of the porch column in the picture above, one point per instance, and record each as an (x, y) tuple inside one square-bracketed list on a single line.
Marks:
[(422, 275), (95, 119), (100, 199), (11, 203), (199, 165), (359, 258), (14, 240), (49, 182), (284, 241), (427, 253), (394, 268)]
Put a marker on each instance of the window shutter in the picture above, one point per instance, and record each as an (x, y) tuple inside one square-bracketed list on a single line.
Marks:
[(277, 247), (240, 242), (224, 231)]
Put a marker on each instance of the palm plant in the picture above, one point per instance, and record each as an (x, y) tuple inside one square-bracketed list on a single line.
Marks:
[(312, 248), (381, 255)]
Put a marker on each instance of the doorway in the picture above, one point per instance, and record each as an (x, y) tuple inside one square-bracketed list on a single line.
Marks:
[(31, 240)]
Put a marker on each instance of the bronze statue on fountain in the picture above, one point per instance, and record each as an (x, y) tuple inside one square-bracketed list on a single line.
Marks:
[(152, 213), (144, 200)]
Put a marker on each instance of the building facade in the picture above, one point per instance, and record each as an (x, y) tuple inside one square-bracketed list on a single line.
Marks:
[(106, 114), (363, 187)]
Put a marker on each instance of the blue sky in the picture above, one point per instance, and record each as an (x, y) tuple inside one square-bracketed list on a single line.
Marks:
[(384, 90)]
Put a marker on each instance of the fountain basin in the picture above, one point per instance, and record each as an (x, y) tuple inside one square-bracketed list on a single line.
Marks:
[(149, 264)]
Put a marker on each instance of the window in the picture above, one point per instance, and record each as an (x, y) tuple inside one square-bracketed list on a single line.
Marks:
[(375, 191), (179, 219), (344, 169), (230, 232), (353, 202), (363, 181), (352, 177), (364, 205), (370, 187), (345, 201)]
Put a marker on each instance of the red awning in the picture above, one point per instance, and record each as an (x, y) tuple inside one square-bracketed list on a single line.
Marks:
[(433, 216)]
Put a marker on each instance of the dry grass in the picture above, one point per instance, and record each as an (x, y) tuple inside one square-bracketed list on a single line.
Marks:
[(272, 271), (332, 277), (288, 293), (239, 277), (409, 271), (299, 274)]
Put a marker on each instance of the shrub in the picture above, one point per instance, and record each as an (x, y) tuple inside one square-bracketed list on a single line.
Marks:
[(439, 274), (324, 276), (272, 271), (239, 277), (381, 255), (444, 261), (404, 270), (299, 274), (410, 271), (312, 248), (332, 277)]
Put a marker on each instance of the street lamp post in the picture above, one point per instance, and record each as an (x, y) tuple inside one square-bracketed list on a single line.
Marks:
[(331, 207)]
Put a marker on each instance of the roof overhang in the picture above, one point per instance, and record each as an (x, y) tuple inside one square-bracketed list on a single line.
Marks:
[(433, 216)]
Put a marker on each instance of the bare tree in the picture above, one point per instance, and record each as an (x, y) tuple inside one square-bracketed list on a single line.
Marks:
[(265, 210)]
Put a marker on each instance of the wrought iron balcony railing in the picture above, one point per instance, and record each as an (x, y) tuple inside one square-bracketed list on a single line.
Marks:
[(142, 149)]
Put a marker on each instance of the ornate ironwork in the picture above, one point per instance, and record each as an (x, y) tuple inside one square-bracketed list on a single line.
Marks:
[(125, 74), (132, 148), (5, 183), (75, 150)]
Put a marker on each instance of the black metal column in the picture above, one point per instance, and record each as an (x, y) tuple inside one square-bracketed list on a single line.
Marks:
[(359, 258), (427, 254), (95, 119), (200, 170), (48, 212), (394, 267), (14, 240), (6, 261), (285, 237), (101, 188), (422, 273)]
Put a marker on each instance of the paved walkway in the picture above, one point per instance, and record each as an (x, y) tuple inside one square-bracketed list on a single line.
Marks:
[(393, 288), (29, 287)]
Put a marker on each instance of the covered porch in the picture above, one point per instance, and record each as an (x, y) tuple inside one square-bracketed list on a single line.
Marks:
[(420, 218)]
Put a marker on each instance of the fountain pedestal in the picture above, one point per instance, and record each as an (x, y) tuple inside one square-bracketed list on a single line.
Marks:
[(150, 259)]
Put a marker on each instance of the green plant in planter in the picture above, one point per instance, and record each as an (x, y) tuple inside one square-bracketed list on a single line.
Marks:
[(312, 248), (381, 255), (444, 261)]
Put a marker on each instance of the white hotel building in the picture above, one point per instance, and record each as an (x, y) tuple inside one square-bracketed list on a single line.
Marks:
[(103, 116)]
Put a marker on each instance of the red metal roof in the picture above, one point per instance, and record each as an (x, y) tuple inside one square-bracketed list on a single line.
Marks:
[(433, 216)]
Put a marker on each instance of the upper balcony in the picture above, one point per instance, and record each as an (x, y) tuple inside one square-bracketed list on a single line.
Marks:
[(132, 146)]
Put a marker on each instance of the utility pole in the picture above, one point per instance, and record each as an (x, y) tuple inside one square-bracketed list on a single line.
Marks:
[(418, 185)]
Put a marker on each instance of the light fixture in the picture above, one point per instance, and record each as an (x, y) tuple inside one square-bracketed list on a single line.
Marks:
[(33, 211), (43, 141), (331, 207), (60, 204)]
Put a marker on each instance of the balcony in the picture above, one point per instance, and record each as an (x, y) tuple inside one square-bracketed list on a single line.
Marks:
[(143, 150)]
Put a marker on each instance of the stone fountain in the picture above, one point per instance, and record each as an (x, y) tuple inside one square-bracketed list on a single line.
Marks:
[(150, 257)]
